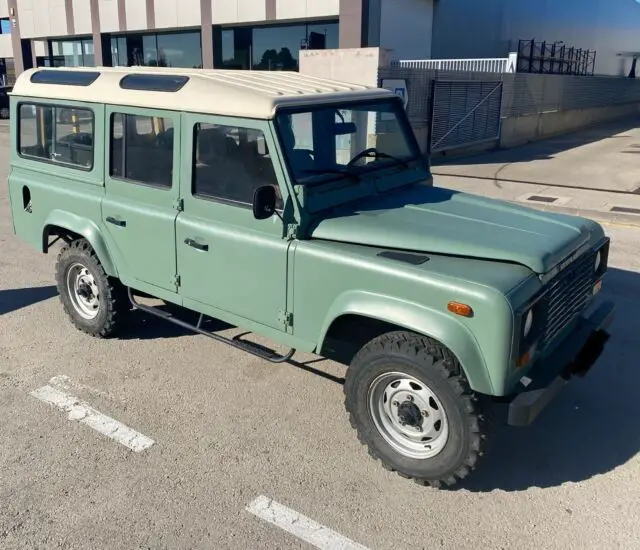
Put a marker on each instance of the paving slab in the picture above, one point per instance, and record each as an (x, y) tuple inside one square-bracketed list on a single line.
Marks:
[(605, 157)]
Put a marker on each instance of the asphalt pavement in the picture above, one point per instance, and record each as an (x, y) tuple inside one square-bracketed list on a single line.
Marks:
[(240, 453)]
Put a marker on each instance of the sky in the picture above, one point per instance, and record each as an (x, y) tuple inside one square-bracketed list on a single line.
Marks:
[(5, 26)]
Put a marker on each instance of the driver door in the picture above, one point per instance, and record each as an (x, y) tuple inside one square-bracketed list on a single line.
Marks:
[(227, 259)]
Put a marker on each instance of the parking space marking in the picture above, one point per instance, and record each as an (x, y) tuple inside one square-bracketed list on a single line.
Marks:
[(64, 383), (85, 413), (300, 526)]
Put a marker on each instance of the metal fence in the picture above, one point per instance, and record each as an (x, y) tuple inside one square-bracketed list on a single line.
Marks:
[(490, 65), (464, 112), (530, 94), (554, 58), (523, 94)]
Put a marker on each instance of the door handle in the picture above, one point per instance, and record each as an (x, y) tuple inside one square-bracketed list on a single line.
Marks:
[(195, 244), (115, 221)]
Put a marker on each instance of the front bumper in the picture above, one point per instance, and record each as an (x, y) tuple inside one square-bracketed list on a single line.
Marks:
[(574, 357)]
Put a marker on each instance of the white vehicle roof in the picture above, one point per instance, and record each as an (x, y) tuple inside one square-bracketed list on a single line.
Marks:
[(249, 94)]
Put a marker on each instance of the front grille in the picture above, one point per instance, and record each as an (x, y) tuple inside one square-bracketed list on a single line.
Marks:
[(566, 296)]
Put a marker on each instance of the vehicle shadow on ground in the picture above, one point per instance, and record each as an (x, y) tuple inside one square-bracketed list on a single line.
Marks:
[(544, 149), (591, 428), (142, 326), (13, 299)]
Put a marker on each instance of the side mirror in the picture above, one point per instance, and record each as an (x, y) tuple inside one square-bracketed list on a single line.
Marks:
[(264, 202)]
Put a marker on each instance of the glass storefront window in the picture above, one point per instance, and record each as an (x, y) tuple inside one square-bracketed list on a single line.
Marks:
[(272, 47), (119, 52), (88, 53), (171, 49), (5, 26), (183, 49), (72, 53)]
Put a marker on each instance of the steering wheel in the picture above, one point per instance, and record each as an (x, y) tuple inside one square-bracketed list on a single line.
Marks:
[(367, 153)]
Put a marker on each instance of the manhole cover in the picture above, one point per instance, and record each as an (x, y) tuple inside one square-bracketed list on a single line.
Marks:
[(540, 198), (625, 210)]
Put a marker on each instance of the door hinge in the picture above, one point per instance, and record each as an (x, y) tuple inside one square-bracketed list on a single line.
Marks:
[(175, 281), (178, 204), (285, 318), (292, 231)]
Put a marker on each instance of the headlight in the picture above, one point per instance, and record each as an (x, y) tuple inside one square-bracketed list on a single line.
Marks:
[(598, 260), (528, 323)]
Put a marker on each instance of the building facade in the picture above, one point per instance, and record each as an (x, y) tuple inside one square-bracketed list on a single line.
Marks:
[(234, 34), (269, 34), (493, 28)]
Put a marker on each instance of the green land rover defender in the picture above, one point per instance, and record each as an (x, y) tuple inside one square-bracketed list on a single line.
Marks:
[(302, 210)]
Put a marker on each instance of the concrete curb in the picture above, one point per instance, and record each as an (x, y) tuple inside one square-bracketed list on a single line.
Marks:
[(596, 215)]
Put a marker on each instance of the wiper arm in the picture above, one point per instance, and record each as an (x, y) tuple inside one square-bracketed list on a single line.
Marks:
[(342, 171), (374, 153)]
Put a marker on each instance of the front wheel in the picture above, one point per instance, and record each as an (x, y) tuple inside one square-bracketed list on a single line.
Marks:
[(412, 407)]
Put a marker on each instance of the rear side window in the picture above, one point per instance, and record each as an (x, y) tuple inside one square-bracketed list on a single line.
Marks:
[(55, 134), (142, 149), (230, 163)]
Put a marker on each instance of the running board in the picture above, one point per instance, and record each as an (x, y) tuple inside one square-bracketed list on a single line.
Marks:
[(236, 342)]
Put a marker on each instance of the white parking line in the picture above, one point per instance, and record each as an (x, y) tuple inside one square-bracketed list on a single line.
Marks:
[(85, 413), (64, 383), (301, 526)]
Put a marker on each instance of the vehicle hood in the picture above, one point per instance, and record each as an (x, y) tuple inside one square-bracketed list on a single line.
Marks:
[(442, 221)]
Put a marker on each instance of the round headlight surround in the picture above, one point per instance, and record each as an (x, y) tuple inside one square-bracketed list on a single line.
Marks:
[(528, 323)]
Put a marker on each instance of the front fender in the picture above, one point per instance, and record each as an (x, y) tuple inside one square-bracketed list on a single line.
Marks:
[(438, 325), (87, 229)]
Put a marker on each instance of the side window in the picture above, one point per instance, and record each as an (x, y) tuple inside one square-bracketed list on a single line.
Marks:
[(142, 149), (230, 163), (59, 135)]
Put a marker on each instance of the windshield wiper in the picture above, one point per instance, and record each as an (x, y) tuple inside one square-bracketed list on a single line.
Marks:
[(342, 171), (375, 154)]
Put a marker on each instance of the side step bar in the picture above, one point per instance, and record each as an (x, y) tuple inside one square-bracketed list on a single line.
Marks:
[(236, 342)]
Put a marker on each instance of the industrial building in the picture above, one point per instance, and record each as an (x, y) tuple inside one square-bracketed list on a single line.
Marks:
[(269, 34), (491, 28), (242, 34)]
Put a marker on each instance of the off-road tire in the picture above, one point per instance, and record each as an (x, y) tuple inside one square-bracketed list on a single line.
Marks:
[(113, 302), (469, 415)]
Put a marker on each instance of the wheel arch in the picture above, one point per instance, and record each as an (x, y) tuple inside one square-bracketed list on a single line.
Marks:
[(370, 315), (69, 227)]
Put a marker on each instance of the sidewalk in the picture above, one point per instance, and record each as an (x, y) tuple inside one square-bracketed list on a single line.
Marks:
[(594, 173)]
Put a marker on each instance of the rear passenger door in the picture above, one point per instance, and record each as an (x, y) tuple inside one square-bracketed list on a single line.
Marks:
[(142, 186), (227, 259)]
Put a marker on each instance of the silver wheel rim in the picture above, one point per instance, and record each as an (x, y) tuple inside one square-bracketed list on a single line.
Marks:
[(83, 291), (4, 113), (408, 415)]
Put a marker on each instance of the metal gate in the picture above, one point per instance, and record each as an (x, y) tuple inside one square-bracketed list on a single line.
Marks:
[(464, 112)]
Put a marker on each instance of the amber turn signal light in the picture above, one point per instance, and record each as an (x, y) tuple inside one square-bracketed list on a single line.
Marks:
[(463, 310)]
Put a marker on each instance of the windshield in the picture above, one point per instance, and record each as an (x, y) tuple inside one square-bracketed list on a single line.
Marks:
[(345, 141)]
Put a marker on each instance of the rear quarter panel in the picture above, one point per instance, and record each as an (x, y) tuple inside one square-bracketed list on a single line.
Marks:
[(58, 194)]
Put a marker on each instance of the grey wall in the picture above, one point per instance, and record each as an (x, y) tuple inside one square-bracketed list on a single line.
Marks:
[(406, 27), (490, 28)]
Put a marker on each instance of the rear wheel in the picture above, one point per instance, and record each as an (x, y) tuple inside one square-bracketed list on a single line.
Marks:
[(93, 301), (412, 407), (4, 112)]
